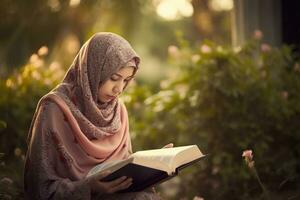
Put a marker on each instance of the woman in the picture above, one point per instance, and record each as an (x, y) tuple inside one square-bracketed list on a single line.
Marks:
[(82, 123)]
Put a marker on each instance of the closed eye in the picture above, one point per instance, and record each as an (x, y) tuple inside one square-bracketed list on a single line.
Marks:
[(116, 77), (129, 79)]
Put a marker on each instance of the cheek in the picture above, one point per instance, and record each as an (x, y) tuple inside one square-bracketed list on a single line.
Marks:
[(104, 88), (100, 89)]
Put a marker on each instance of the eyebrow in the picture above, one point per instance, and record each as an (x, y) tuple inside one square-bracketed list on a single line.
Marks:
[(119, 75)]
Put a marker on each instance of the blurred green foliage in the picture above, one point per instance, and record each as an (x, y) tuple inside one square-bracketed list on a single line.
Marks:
[(11, 178), (20, 93), (25, 26), (226, 100), (2, 124)]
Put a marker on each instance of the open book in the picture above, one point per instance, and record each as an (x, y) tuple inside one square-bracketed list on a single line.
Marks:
[(150, 167)]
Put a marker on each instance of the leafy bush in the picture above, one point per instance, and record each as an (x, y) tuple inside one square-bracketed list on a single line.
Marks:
[(20, 93), (227, 100)]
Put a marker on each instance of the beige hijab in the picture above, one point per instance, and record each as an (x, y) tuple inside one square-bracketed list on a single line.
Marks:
[(100, 130)]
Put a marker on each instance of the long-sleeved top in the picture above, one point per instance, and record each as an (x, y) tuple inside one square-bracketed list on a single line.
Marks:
[(46, 174)]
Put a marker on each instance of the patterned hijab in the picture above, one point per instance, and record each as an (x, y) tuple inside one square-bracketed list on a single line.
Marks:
[(100, 57), (101, 130)]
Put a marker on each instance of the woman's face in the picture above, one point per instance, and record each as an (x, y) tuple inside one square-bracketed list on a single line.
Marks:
[(115, 85)]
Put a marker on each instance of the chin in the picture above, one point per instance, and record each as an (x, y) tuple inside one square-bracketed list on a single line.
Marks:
[(106, 100)]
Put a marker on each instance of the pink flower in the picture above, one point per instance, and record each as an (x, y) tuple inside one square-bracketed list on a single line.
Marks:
[(205, 49), (173, 51), (248, 156), (258, 34), (265, 47)]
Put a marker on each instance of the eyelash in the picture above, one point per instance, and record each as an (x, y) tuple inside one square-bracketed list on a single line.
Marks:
[(116, 79)]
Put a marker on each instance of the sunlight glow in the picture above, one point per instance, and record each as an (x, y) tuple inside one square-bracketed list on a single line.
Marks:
[(221, 5), (174, 9), (54, 5), (74, 3)]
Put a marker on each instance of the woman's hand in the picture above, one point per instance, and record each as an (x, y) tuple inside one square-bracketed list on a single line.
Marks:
[(170, 145), (108, 187)]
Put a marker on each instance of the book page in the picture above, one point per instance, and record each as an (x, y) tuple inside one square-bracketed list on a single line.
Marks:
[(187, 156), (163, 159), (100, 167), (111, 166)]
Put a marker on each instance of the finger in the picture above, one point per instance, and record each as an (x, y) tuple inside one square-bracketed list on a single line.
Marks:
[(125, 184), (116, 181), (170, 145), (109, 186)]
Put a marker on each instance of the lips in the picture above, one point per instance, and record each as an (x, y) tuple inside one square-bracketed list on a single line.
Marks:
[(110, 97)]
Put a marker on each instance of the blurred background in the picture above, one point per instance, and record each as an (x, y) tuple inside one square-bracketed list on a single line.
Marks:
[(222, 74)]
